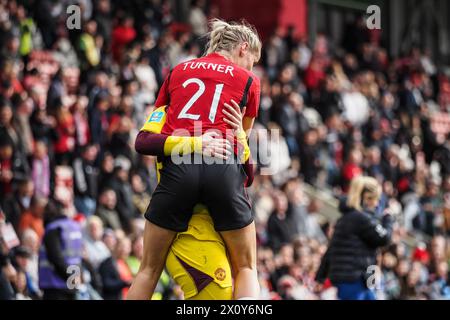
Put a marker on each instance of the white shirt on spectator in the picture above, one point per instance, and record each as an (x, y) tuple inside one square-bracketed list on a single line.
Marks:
[(198, 21), (356, 107), (96, 250)]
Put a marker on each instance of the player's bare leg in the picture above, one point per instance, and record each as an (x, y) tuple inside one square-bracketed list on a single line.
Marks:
[(241, 246), (157, 242)]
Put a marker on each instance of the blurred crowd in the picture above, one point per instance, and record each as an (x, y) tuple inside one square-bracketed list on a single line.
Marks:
[(73, 100)]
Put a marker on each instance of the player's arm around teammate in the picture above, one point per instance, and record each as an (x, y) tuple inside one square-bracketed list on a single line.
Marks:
[(151, 142)]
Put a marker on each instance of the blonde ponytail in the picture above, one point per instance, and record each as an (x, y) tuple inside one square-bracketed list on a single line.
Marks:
[(226, 36), (354, 193), (359, 185)]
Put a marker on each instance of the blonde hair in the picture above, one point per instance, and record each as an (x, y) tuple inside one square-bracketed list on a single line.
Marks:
[(94, 220), (360, 185), (226, 36)]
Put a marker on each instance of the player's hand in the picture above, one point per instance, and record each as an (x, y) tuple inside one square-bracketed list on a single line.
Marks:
[(213, 145), (234, 115)]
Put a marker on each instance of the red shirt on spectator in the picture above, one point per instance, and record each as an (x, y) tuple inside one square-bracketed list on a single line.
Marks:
[(314, 75), (121, 36), (66, 133), (6, 187), (349, 171), (30, 221)]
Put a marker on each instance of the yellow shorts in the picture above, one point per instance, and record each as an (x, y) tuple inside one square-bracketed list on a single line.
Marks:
[(198, 262), (212, 291)]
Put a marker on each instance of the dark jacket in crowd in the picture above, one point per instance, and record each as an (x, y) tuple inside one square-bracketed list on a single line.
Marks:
[(110, 217), (97, 126), (125, 206), (309, 168), (112, 283), (86, 178), (13, 209), (281, 231), (6, 290), (353, 247), (43, 131), (54, 251)]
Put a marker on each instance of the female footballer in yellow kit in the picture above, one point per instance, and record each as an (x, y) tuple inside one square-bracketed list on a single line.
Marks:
[(197, 259), (198, 262)]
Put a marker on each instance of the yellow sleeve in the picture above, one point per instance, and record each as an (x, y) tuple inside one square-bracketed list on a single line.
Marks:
[(176, 144), (155, 120), (242, 139), (182, 145)]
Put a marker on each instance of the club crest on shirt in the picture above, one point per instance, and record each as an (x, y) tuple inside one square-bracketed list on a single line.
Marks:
[(220, 274)]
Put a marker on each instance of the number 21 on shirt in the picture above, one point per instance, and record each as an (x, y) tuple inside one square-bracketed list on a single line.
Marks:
[(184, 114)]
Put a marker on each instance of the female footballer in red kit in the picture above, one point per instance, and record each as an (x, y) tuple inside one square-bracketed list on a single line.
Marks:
[(195, 93)]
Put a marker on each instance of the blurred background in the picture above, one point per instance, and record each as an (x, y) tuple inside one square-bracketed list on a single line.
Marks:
[(348, 101)]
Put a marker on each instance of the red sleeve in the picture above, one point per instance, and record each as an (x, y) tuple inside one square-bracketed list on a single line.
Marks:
[(163, 95), (150, 144), (253, 99), (248, 168)]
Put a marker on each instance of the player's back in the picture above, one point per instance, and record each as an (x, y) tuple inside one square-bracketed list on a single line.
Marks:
[(197, 89)]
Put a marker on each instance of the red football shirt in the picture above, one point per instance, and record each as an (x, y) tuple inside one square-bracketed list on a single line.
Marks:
[(196, 90)]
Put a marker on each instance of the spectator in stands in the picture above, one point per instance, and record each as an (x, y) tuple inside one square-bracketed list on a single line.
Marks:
[(106, 209), (9, 133), (33, 218), (31, 242), (15, 204), (283, 261), (134, 260), (309, 157), (20, 259), (86, 176), (112, 275), (21, 286), (98, 120), (96, 250), (123, 251), (296, 204), (43, 127), (197, 18), (65, 128), (7, 271), (140, 196), (122, 35), (41, 169), (89, 46), (24, 107), (61, 248), (440, 285), (415, 288), (106, 171), (351, 168), (280, 226), (81, 122), (356, 237), (390, 282), (122, 187), (313, 228), (7, 167)]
